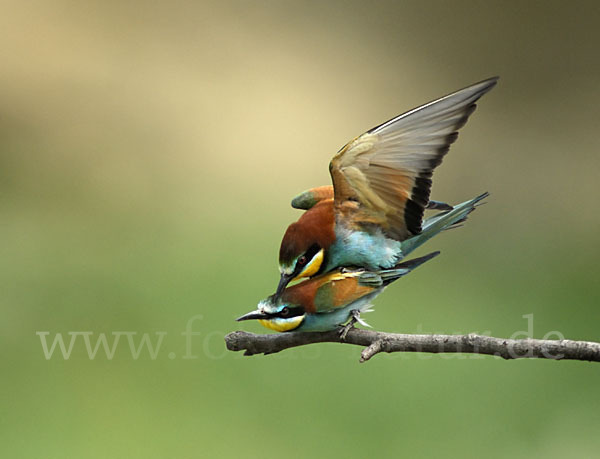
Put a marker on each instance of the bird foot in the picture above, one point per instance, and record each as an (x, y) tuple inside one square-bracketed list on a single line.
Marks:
[(354, 317)]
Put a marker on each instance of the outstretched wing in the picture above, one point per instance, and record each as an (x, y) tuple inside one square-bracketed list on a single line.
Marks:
[(383, 177)]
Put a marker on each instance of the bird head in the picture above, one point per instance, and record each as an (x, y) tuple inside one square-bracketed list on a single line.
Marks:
[(299, 256), (277, 315), (305, 243), (321, 303)]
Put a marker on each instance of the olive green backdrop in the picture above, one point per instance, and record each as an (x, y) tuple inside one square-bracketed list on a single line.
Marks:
[(148, 154)]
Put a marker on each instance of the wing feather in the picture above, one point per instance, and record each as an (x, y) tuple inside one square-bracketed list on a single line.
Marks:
[(384, 176), (342, 288)]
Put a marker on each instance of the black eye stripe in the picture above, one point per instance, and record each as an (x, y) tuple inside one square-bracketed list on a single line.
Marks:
[(292, 312), (311, 252)]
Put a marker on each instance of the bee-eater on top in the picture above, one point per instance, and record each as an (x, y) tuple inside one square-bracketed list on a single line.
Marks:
[(372, 216)]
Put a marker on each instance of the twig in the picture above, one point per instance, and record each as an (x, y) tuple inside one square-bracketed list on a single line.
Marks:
[(376, 342)]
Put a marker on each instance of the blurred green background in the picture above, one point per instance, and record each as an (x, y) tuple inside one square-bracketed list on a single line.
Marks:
[(148, 154)]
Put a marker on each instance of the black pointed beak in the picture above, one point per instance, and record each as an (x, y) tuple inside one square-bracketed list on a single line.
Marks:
[(283, 281), (252, 315)]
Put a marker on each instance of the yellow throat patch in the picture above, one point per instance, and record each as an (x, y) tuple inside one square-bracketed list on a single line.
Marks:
[(313, 266), (280, 324)]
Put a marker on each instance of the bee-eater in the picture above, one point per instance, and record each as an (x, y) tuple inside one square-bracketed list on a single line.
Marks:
[(327, 301), (372, 216)]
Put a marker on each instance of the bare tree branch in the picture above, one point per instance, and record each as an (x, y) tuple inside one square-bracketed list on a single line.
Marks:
[(376, 342)]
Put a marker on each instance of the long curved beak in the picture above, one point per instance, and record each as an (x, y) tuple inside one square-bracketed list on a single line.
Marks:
[(252, 315), (283, 281)]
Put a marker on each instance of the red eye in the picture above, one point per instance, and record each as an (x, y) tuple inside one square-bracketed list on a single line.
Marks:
[(302, 260), (285, 312)]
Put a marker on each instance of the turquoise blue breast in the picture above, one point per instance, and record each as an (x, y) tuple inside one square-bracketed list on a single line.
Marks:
[(358, 248)]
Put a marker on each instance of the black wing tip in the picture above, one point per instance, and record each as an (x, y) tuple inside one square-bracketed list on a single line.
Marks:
[(438, 205)]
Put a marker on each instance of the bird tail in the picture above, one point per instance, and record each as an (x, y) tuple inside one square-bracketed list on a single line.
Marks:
[(440, 222), (401, 269)]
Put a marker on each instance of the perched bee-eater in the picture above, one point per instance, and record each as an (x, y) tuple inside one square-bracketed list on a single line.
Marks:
[(327, 301), (372, 216)]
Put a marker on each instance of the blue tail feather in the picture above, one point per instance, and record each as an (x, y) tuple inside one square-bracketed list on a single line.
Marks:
[(440, 222)]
